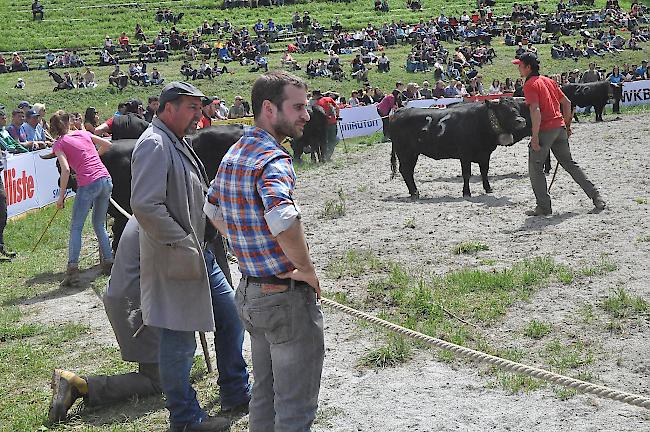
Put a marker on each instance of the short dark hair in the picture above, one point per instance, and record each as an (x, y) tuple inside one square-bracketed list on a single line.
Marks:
[(270, 86), (152, 99)]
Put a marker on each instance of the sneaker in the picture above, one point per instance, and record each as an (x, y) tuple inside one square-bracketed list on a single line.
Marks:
[(538, 211), (235, 410), (208, 424), (599, 203)]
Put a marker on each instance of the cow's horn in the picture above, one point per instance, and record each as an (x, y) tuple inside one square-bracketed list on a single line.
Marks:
[(47, 156)]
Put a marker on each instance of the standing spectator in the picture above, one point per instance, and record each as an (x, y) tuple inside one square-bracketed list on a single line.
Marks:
[(208, 110), (76, 150), (91, 120), (332, 115), (550, 132), (237, 110), (590, 75), (17, 120), (641, 73), (37, 10), (129, 125), (31, 132), (166, 198), (615, 79), (5, 141), (279, 285), (153, 103), (354, 100), (384, 108)]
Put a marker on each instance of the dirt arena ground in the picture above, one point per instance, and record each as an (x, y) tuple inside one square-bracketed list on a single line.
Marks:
[(425, 394)]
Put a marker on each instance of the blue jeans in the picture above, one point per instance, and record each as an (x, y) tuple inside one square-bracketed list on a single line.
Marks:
[(177, 350), (95, 195), (234, 388)]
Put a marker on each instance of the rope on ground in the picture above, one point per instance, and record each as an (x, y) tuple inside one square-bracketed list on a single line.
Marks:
[(507, 365)]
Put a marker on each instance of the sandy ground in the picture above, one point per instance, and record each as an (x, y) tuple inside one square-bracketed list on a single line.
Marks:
[(425, 394)]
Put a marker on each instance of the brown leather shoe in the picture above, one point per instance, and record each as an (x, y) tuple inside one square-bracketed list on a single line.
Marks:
[(64, 395), (71, 276)]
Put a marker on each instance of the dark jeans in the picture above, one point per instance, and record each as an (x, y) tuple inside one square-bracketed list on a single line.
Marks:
[(3, 208), (110, 389), (177, 354), (234, 388)]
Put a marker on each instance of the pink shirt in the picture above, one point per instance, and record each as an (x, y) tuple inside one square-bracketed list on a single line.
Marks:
[(386, 104), (82, 156)]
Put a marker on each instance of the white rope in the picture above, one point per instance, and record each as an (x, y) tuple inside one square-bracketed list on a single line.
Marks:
[(507, 365), (120, 209)]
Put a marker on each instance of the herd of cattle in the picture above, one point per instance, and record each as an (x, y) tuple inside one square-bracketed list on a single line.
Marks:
[(469, 132)]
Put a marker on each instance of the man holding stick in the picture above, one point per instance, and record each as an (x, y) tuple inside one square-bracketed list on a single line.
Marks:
[(551, 130)]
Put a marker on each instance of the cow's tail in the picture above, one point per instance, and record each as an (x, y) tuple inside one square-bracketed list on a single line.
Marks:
[(393, 161)]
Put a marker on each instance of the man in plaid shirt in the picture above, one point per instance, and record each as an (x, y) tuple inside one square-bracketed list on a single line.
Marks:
[(251, 202)]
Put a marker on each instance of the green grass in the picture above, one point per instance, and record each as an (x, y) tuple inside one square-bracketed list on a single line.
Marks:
[(82, 34), (409, 223), (641, 200), (470, 247), (537, 329), (562, 357), (354, 263), (336, 207), (643, 239), (396, 351), (621, 304)]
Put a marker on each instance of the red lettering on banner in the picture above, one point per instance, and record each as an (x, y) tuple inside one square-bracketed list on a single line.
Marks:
[(18, 188)]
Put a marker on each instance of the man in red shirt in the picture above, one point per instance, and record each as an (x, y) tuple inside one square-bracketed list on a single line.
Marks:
[(551, 130), (209, 110), (331, 113)]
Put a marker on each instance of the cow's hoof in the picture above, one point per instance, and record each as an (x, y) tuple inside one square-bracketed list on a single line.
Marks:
[(415, 196), (488, 190), (467, 194)]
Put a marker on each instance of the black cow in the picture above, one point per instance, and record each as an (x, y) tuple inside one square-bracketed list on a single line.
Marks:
[(469, 132), (595, 94), (314, 136)]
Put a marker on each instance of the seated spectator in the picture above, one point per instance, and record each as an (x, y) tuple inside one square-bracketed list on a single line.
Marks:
[(288, 61), (425, 91), (105, 58), (508, 86), (17, 120), (118, 78), (557, 50), (188, 71), (31, 133), (354, 100), (495, 88), (237, 110), (20, 85), (17, 63), (381, 6), (137, 75), (451, 90), (50, 59), (3, 64), (89, 78), (108, 45), (191, 52), (69, 82), (139, 33), (156, 78), (641, 73), (383, 63), (439, 90), (37, 10)]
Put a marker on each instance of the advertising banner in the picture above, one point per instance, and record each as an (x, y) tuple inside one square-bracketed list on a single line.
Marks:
[(359, 121), (20, 184)]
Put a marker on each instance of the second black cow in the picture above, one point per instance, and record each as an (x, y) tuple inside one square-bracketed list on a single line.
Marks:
[(469, 132), (595, 94)]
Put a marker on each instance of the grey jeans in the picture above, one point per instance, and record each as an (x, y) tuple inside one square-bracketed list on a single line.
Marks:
[(557, 141), (287, 343)]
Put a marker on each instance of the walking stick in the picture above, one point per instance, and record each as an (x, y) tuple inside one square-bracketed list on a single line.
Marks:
[(206, 353), (557, 165), (46, 228)]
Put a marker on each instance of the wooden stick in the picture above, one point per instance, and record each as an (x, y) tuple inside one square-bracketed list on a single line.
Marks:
[(206, 353)]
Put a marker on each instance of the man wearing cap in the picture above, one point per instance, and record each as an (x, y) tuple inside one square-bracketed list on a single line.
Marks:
[(7, 145), (251, 201), (331, 115), (31, 133), (167, 195), (127, 126), (24, 106), (551, 130), (237, 110)]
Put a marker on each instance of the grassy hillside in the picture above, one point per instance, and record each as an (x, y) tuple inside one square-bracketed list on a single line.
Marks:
[(60, 30)]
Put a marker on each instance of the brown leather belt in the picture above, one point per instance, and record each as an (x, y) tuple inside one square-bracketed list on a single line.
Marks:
[(272, 280)]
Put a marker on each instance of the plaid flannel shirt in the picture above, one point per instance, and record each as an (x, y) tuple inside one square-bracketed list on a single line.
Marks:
[(253, 194)]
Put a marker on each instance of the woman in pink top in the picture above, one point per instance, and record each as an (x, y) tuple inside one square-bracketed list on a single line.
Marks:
[(387, 104), (76, 150)]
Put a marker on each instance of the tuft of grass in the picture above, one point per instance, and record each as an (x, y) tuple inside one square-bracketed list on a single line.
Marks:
[(620, 304), (643, 239), (586, 313), (640, 200), (515, 383), (604, 266), (354, 263), (335, 208), (395, 352), (410, 223), (537, 329), (562, 357), (470, 247)]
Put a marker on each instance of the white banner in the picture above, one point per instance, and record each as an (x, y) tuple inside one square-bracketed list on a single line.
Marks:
[(359, 121), (636, 93), (20, 184), (30, 182), (427, 103)]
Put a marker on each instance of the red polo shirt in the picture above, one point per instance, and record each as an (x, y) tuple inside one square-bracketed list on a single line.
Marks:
[(545, 92), (204, 122)]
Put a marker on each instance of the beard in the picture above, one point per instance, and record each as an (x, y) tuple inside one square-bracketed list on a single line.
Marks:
[(285, 128), (191, 128)]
